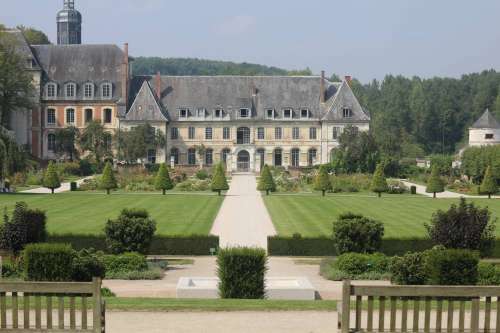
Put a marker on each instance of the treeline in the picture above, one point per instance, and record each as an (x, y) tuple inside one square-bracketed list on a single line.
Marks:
[(193, 66), (416, 117)]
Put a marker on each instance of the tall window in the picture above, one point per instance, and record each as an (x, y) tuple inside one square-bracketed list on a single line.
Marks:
[(336, 133), (262, 154), (278, 133), (311, 156), (312, 133), (88, 90), (278, 157), (295, 157), (70, 90), (243, 136), (151, 156), (89, 115), (174, 152), (191, 132), (209, 157), (346, 113), (51, 116), (174, 133), (108, 113), (192, 156), (224, 154), (260, 133), (70, 116), (226, 133), (51, 142), (51, 90), (106, 90), (201, 113), (208, 133), (296, 133)]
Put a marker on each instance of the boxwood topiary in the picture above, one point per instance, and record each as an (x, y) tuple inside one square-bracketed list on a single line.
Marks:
[(48, 262)]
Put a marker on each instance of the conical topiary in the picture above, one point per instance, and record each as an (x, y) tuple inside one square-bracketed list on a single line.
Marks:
[(379, 183), (108, 181), (489, 185), (162, 180), (322, 181), (266, 181), (435, 184), (51, 178), (219, 181)]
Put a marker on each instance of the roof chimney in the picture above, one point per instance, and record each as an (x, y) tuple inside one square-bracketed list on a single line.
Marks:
[(322, 88), (158, 85), (348, 79), (125, 74)]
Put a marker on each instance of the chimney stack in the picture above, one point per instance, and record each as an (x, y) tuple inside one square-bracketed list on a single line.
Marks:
[(125, 74), (158, 85), (322, 88), (348, 79)]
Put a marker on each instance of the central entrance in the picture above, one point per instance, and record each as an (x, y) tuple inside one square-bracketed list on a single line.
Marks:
[(243, 162)]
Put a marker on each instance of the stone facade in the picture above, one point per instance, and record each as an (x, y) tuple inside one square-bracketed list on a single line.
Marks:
[(485, 131)]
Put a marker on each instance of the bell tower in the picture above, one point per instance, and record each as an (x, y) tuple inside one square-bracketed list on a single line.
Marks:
[(69, 24)]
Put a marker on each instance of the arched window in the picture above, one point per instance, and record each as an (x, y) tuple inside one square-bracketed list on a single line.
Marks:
[(224, 154), (311, 156), (51, 142), (51, 90), (278, 157), (89, 115), (106, 90), (174, 152), (262, 154), (70, 90), (243, 136), (192, 156), (70, 116), (295, 157), (88, 90), (209, 157), (51, 116)]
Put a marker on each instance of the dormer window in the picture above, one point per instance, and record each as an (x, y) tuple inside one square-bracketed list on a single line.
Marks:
[(244, 113), (183, 113), (88, 90), (489, 136), (346, 113), (270, 113), (219, 113), (287, 113), (106, 90), (51, 90), (70, 90), (201, 113), (305, 114)]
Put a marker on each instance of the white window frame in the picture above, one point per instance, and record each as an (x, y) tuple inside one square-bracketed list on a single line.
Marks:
[(226, 133), (290, 110), (47, 116), (296, 133), (174, 133), (219, 113), (49, 148), (66, 115), (346, 112), (183, 113), (201, 113), (280, 131), (193, 136), (261, 130), (209, 133), (313, 130), (85, 114), (103, 87), (47, 87), (307, 112), (247, 111), (273, 113), (68, 86), (91, 91)]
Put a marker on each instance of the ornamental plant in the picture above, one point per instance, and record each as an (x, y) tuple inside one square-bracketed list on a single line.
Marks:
[(379, 183), (435, 184), (219, 181), (266, 181), (322, 181), (108, 180), (356, 233), (51, 178), (489, 185), (163, 181)]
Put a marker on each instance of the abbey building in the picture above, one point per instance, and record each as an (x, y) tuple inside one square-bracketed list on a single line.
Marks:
[(244, 121)]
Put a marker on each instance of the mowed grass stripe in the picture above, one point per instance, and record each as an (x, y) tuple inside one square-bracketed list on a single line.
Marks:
[(87, 213), (403, 215)]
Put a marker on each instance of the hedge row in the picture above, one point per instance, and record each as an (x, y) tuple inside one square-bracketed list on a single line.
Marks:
[(162, 245), (324, 246)]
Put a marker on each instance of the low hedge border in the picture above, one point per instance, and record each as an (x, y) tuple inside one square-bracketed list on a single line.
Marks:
[(324, 246), (161, 245)]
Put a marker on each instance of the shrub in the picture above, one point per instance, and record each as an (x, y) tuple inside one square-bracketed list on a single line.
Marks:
[(51, 178), (125, 262), (48, 262), (396, 187), (408, 269), (488, 274), (191, 185), (219, 181), (463, 227), (34, 178), (86, 167), (35, 220), (241, 272), (489, 185), (435, 184), (322, 181), (451, 267), (151, 274), (69, 168), (163, 181), (350, 183), (108, 181), (356, 233), (359, 263), (106, 292), (202, 174), (10, 270), (379, 183), (266, 181), (87, 264)]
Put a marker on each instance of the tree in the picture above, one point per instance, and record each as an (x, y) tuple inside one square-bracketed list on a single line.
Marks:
[(108, 181), (435, 184), (322, 181), (266, 181), (201, 150), (489, 185), (136, 142), (66, 142), (356, 233), (163, 181), (133, 231), (463, 227), (95, 140), (51, 178), (379, 183), (34, 36), (219, 181)]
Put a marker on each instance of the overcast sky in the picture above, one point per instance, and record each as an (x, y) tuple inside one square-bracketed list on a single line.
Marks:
[(365, 38)]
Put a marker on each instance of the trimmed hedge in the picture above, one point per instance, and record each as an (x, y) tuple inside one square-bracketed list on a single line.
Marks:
[(166, 245), (48, 262), (451, 267)]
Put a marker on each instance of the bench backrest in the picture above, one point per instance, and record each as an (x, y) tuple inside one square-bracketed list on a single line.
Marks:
[(70, 302), (399, 305)]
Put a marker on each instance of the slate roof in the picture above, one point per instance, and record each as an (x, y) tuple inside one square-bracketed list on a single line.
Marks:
[(146, 106), (234, 92), (22, 47), (345, 99), (487, 120), (80, 64)]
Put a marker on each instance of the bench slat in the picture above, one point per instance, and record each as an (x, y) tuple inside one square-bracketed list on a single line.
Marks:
[(38, 312), (49, 312), (84, 312), (359, 299), (72, 318), (393, 314), (15, 311), (474, 316), (416, 314), (369, 325), (427, 317), (498, 315), (487, 315), (381, 313), (439, 315), (3, 310), (404, 315), (461, 318), (60, 312), (48, 287), (422, 291), (26, 310), (449, 323)]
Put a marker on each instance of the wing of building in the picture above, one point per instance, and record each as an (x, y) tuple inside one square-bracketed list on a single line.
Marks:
[(485, 131)]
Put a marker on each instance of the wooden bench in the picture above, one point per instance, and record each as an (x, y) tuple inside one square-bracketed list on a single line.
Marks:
[(444, 309), (24, 299)]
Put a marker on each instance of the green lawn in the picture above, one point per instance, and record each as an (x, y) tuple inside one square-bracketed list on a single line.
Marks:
[(403, 215), (87, 213)]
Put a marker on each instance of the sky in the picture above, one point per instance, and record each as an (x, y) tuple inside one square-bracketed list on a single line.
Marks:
[(363, 38)]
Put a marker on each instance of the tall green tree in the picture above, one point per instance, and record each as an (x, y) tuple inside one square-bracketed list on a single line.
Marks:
[(489, 185), (51, 178), (162, 180), (322, 181), (108, 180), (379, 183), (34, 36), (66, 142), (95, 140), (266, 181), (135, 143), (219, 181), (435, 184)]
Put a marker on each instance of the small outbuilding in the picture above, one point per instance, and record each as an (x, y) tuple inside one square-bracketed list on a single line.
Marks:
[(485, 131)]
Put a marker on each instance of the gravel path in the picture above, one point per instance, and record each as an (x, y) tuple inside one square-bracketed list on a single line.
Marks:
[(65, 187), (445, 194), (243, 219)]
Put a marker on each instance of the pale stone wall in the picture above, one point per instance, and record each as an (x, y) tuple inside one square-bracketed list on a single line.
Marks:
[(477, 136)]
